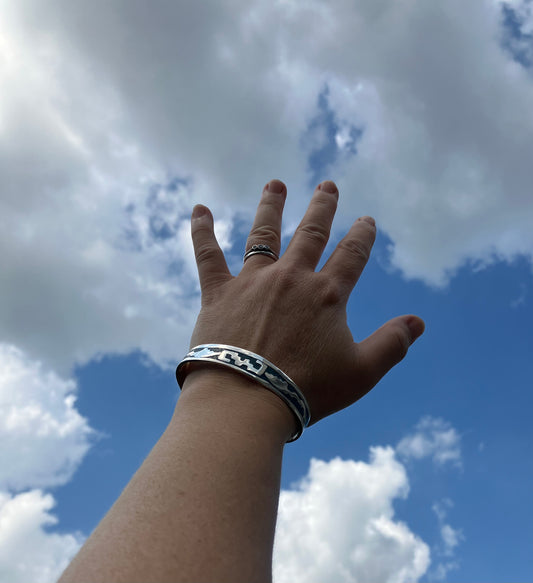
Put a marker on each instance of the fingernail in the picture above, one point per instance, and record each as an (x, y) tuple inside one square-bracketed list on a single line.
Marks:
[(416, 327), (198, 212), (276, 186), (329, 187), (368, 220)]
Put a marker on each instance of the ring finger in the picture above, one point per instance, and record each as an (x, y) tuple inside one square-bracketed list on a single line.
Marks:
[(266, 229)]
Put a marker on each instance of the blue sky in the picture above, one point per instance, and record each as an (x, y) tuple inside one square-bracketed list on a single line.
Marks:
[(424, 121)]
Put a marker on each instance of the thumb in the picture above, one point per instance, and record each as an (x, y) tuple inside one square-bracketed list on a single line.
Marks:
[(386, 347)]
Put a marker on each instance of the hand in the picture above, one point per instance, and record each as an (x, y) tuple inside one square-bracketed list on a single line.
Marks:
[(288, 313)]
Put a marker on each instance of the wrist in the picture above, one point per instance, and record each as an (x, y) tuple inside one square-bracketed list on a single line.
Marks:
[(227, 397)]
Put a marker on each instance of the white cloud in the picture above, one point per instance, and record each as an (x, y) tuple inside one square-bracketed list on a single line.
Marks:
[(450, 540), (434, 438), (222, 97), (338, 525), (27, 551), (44, 439), (43, 436)]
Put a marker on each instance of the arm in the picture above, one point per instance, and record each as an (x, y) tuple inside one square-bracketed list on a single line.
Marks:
[(203, 505)]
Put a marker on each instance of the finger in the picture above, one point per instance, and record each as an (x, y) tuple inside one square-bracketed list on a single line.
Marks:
[(210, 260), (312, 234), (385, 348), (266, 229), (351, 254)]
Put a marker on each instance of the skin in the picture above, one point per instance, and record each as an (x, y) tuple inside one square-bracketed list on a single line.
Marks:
[(203, 505)]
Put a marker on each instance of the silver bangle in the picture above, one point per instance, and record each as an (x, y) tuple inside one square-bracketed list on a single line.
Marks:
[(256, 367)]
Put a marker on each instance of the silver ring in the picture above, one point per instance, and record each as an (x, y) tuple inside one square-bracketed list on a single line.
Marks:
[(260, 250)]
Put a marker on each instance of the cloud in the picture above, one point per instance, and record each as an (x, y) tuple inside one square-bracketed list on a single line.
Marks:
[(27, 551), (44, 438), (106, 146), (338, 525), (433, 438), (450, 540)]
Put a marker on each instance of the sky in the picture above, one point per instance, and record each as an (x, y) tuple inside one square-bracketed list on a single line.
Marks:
[(117, 117)]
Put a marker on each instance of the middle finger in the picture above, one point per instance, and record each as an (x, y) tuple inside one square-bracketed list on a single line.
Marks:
[(312, 234)]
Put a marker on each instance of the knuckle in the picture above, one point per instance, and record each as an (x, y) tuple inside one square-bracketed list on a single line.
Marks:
[(356, 249), (321, 198), (273, 202), (206, 253), (401, 341), (285, 279), (332, 295), (203, 230), (329, 291), (213, 290), (262, 234), (316, 232)]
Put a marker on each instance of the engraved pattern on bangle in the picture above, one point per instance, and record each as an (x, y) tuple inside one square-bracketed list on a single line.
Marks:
[(257, 367)]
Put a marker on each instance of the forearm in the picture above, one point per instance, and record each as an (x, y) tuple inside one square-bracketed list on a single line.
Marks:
[(203, 505)]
